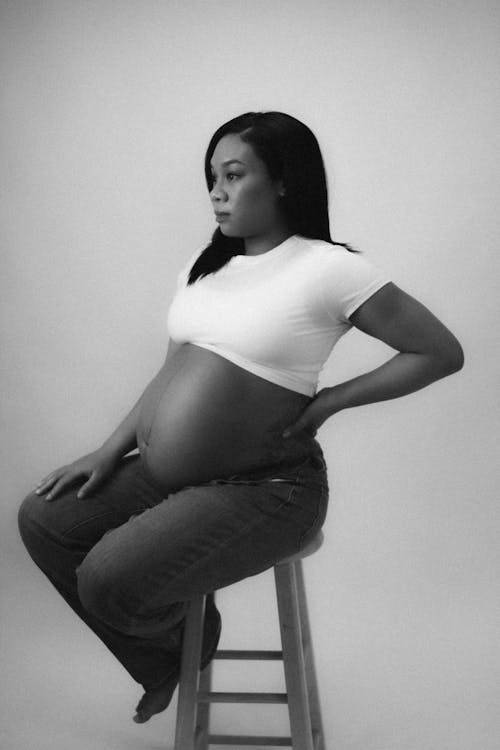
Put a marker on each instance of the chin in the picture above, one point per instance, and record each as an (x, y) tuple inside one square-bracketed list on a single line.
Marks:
[(228, 232)]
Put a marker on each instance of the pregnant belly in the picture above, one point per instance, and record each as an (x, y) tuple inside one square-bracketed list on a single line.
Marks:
[(206, 418)]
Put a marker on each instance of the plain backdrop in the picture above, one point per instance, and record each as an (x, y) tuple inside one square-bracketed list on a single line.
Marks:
[(107, 109)]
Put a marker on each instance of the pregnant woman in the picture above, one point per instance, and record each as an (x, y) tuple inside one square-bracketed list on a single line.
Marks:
[(215, 474)]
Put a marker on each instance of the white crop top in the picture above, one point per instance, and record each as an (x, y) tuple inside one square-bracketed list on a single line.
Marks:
[(278, 314)]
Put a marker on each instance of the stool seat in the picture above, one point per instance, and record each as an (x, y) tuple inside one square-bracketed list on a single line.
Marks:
[(192, 730), (309, 549)]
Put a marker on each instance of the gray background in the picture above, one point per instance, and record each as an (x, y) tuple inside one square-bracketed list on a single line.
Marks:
[(107, 111)]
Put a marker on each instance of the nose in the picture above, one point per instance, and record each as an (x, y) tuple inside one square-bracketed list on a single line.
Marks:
[(216, 194)]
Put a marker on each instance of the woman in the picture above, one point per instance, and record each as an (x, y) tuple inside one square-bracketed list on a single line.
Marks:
[(219, 489)]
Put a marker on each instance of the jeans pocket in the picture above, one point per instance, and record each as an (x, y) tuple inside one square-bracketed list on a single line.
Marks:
[(273, 496)]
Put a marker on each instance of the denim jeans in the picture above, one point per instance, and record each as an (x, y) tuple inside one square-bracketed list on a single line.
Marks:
[(127, 559)]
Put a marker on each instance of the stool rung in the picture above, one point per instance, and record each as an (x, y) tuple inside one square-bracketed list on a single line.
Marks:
[(242, 697), (257, 655), (241, 739)]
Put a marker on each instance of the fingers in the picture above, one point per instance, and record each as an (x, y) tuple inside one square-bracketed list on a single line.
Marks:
[(48, 482), (59, 480), (60, 485), (56, 483), (89, 486), (292, 430)]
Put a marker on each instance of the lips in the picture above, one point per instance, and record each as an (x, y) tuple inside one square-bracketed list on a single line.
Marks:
[(221, 215)]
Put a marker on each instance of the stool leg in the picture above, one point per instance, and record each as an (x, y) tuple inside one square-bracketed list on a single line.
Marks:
[(312, 684), (203, 714), (189, 678), (293, 656)]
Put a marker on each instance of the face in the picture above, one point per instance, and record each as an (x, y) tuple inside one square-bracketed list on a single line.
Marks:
[(244, 198)]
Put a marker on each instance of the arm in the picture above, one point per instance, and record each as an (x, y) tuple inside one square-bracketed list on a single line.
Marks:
[(428, 351), (101, 463)]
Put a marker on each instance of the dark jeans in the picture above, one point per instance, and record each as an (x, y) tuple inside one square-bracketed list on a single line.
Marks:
[(127, 559)]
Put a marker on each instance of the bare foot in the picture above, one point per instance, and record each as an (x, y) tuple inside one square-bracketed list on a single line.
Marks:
[(154, 701), (157, 700)]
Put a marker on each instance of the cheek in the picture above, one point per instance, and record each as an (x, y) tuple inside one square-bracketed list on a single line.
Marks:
[(255, 200)]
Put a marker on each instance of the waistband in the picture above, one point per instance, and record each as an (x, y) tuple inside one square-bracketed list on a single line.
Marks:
[(284, 471)]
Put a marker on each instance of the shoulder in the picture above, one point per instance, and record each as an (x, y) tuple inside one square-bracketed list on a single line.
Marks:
[(343, 280), (332, 259)]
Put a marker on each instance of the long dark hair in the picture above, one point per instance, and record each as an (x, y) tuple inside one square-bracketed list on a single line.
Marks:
[(291, 153)]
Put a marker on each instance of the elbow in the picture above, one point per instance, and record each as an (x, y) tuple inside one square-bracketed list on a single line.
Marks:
[(452, 360), (460, 359)]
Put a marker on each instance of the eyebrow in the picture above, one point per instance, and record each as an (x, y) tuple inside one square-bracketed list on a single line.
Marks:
[(229, 161)]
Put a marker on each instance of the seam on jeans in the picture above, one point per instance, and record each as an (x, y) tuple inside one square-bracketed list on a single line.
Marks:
[(262, 519), (100, 515), (322, 497), (249, 482)]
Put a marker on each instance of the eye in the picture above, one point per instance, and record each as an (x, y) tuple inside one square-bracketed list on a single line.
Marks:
[(230, 177)]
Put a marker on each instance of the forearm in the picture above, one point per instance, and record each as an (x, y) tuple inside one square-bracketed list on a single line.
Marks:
[(405, 373)]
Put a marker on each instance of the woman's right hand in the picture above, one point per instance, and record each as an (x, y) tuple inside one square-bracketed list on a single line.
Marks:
[(96, 466)]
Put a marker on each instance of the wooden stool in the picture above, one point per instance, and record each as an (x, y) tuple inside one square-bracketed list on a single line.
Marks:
[(192, 726)]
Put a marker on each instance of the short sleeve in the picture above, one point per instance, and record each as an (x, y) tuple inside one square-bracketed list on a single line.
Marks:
[(347, 281)]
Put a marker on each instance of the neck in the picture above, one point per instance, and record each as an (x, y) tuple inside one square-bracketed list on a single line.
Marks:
[(262, 243)]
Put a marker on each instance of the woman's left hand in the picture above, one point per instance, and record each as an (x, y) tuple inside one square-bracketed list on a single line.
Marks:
[(313, 416)]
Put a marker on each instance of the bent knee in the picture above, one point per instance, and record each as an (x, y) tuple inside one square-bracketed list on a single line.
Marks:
[(30, 513)]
